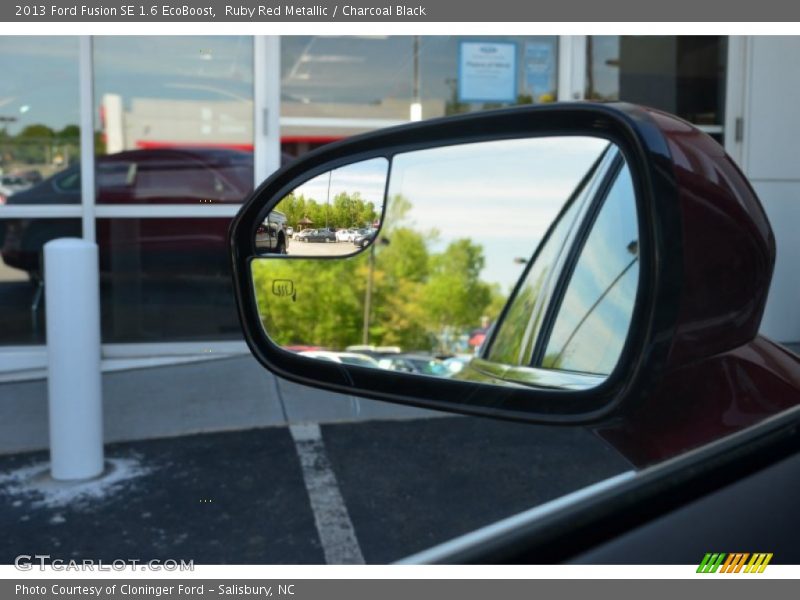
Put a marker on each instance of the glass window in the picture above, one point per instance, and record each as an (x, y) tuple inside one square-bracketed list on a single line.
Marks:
[(68, 182), (176, 119), (39, 133), (165, 280), (182, 176), (535, 72), (39, 146), (509, 345), (336, 86), (592, 323), (683, 75), (513, 342), (119, 174), (22, 306)]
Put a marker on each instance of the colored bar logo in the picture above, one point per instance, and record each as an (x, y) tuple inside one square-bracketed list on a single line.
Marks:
[(734, 563)]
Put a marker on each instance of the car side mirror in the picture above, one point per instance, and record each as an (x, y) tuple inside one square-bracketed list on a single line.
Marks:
[(546, 246)]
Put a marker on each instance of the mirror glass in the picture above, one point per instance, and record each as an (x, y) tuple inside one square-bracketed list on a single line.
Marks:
[(334, 214), (511, 262)]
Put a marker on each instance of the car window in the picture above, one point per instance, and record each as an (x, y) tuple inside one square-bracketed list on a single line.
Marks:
[(594, 316), (70, 182), (507, 346), (357, 360), (512, 344), (431, 367), (115, 174), (175, 179)]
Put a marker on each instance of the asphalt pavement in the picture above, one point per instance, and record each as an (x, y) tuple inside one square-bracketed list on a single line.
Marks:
[(299, 248), (216, 394), (225, 464), (243, 497)]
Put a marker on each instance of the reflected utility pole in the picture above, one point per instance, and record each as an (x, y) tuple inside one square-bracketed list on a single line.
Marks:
[(328, 199), (415, 114), (368, 295), (5, 120), (368, 292)]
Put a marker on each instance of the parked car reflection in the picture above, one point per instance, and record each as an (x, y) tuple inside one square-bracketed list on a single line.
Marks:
[(316, 235), (12, 184), (163, 176), (348, 358), (420, 364)]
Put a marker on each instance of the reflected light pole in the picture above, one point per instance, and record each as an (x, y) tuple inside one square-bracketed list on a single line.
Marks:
[(416, 102), (368, 292), (5, 120), (328, 199)]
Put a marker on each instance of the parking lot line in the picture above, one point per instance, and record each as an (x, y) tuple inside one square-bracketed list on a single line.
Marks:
[(335, 529)]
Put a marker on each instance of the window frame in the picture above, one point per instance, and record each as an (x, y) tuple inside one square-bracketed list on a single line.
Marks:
[(266, 156), (592, 182), (530, 370), (585, 228)]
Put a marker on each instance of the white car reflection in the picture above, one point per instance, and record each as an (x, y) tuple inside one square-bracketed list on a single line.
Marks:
[(347, 358)]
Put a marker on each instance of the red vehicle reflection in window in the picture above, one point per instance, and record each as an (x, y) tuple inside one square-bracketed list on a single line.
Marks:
[(165, 176)]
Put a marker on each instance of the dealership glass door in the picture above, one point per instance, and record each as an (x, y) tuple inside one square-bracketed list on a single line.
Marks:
[(682, 75), (39, 194), (333, 87)]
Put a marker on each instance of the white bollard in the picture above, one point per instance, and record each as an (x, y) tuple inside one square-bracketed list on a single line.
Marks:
[(72, 296)]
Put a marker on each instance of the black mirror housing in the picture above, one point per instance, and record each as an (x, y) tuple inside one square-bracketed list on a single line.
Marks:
[(642, 137)]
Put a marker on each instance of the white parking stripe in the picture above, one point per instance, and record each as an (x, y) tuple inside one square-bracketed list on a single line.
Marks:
[(336, 533)]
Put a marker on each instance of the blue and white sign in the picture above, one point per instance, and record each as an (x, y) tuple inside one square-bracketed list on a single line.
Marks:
[(540, 68), (487, 72)]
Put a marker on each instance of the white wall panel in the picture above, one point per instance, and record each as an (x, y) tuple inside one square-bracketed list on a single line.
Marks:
[(771, 159), (781, 200)]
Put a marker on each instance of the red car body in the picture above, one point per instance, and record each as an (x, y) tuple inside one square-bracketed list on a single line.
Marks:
[(721, 376)]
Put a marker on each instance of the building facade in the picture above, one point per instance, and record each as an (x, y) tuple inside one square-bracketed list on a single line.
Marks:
[(147, 145)]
